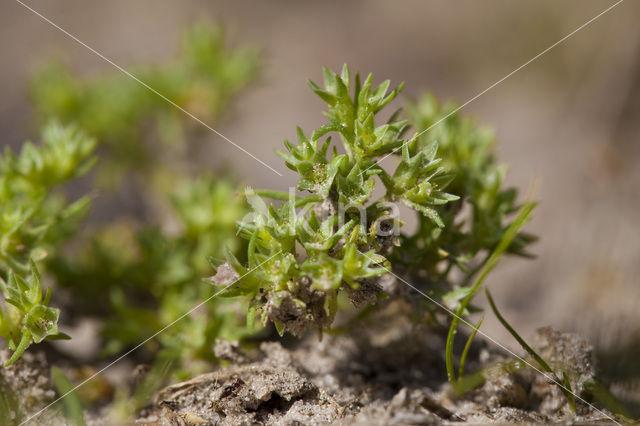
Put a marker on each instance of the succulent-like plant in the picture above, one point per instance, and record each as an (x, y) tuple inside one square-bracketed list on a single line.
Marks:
[(28, 318), (34, 220), (340, 237)]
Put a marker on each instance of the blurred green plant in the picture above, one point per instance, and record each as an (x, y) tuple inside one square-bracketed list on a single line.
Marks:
[(145, 268), (136, 127), (71, 404), (35, 219), (310, 248), (149, 276)]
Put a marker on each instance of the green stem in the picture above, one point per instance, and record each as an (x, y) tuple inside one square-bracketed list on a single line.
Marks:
[(505, 241), (467, 346), (566, 389), (515, 335)]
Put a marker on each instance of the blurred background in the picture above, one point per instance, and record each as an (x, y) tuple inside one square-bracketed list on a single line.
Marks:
[(568, 121)]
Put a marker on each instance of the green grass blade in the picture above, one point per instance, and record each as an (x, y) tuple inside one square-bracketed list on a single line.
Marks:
[(508, 237), (607, 399), (566, 389), (516, 336), (71, 403), (569, 394), (467, 346)]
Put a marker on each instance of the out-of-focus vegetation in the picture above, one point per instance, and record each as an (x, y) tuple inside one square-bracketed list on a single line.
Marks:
[(35, 218), (136, 127), (143, 269), (149, 276)]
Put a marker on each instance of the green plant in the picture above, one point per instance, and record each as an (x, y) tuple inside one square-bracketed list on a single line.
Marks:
[(150, 276), (506, 240), (72, 406), (566, 385), (136, 128), (146, 265), (34, 220), (468, 238), (296, 256), (341, 237)]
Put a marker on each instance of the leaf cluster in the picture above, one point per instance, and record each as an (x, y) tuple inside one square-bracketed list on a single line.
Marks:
[(305, 251), (476, 223), (34, 220)]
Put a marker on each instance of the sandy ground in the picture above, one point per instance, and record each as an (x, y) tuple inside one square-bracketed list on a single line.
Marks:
[(568, 121), (384, 373)]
